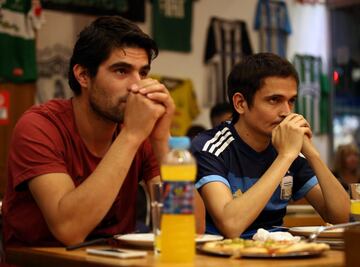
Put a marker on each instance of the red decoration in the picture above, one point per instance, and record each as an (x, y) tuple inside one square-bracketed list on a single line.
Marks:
[(4, 107)]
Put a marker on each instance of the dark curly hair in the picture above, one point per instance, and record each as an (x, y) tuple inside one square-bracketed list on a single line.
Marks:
[(96, 42)]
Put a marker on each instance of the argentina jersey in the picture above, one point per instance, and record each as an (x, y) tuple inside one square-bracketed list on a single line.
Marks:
[(222, 156)]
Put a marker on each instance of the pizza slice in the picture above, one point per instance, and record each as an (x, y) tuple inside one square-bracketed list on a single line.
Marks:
[(238, 247)]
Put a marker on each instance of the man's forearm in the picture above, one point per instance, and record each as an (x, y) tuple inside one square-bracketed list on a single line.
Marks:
[(334, 211), (337, 209), (199, 211), (238, 214), (73, 212), (160, 148)]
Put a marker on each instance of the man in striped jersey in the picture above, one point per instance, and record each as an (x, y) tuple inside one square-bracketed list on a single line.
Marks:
[(249, 169)]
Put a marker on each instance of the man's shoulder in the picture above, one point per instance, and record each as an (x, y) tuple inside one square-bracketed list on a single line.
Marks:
[(214, 140), (54, 113), (55, 108)]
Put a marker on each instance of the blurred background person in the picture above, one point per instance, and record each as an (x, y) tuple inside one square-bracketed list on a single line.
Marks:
[(346, 164), (219, 113), (194, 130)]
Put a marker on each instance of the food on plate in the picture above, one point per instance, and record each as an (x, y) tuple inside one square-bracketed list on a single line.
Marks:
[(264, 235), (238, 246)]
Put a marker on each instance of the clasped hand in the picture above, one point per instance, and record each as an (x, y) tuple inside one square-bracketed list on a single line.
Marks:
[(149, 110), (288, 137)]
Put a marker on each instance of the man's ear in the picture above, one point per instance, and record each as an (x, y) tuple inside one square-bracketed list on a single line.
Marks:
[(239, 103), (81, 75)]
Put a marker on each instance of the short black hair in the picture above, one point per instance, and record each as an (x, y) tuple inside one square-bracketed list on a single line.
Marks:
[(248, 76), (194, 130), (96, 42), (220, 109)]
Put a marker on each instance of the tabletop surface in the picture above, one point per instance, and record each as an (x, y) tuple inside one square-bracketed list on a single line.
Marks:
[(58, 256)]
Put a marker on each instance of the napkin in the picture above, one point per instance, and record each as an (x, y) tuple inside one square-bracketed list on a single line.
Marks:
[(264, 235)]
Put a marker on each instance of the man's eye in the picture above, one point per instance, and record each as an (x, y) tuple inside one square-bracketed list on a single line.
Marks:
[(273, 100), (121, 71), (144, 74)]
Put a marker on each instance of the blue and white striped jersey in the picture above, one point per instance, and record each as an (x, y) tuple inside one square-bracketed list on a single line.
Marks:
[(222, 156), (273, 24)]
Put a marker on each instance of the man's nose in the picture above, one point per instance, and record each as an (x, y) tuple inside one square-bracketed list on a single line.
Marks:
[(286, 109), (133, 79)]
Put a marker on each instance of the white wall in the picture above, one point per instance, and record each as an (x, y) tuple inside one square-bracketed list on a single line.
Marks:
[(60, 28), (310, 31)]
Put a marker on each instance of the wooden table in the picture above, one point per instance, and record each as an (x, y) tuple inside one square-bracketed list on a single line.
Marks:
[(60, 257), (302, 215), (292, 220)]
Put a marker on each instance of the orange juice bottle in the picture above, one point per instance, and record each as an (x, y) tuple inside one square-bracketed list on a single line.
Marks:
[(178, 171), (355, 201), (355, 210)]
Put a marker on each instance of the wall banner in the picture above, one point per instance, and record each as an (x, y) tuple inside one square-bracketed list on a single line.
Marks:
[(131, 9)]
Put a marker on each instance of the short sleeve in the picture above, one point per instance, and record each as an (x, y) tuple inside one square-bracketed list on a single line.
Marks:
[(210, 167), (36, 148), (304, 178)]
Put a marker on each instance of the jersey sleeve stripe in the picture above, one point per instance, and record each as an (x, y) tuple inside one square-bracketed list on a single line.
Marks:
[(225, 145), (305, 188), (211, 178), (215, 138), (221, 140)]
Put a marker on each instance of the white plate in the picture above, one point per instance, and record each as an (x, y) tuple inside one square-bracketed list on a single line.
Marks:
[(252, 255), (308, 230), (147, 239), (287, 255)]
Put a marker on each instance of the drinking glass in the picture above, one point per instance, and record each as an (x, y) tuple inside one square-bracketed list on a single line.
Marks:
[(355, 201), (156, 195)]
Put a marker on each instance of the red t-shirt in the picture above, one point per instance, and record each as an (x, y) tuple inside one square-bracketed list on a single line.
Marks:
[(46, 140)]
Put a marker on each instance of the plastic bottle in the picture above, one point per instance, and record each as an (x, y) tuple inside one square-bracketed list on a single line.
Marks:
[(178, 171)]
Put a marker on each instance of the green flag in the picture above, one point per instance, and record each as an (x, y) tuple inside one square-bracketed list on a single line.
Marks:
[(18, 21)]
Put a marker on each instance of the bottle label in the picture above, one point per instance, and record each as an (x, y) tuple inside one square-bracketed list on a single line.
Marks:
[(286, 186), (178, 198)]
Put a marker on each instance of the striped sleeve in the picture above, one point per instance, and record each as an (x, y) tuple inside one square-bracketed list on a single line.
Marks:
[(209, 155)]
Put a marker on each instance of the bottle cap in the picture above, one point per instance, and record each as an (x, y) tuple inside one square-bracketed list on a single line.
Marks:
[(182, 142)]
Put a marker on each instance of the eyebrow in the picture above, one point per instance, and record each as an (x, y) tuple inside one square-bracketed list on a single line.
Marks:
[(127, 66), (280, 96)]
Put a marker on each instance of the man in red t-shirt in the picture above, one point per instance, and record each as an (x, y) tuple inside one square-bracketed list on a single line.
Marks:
[(74, 165)]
